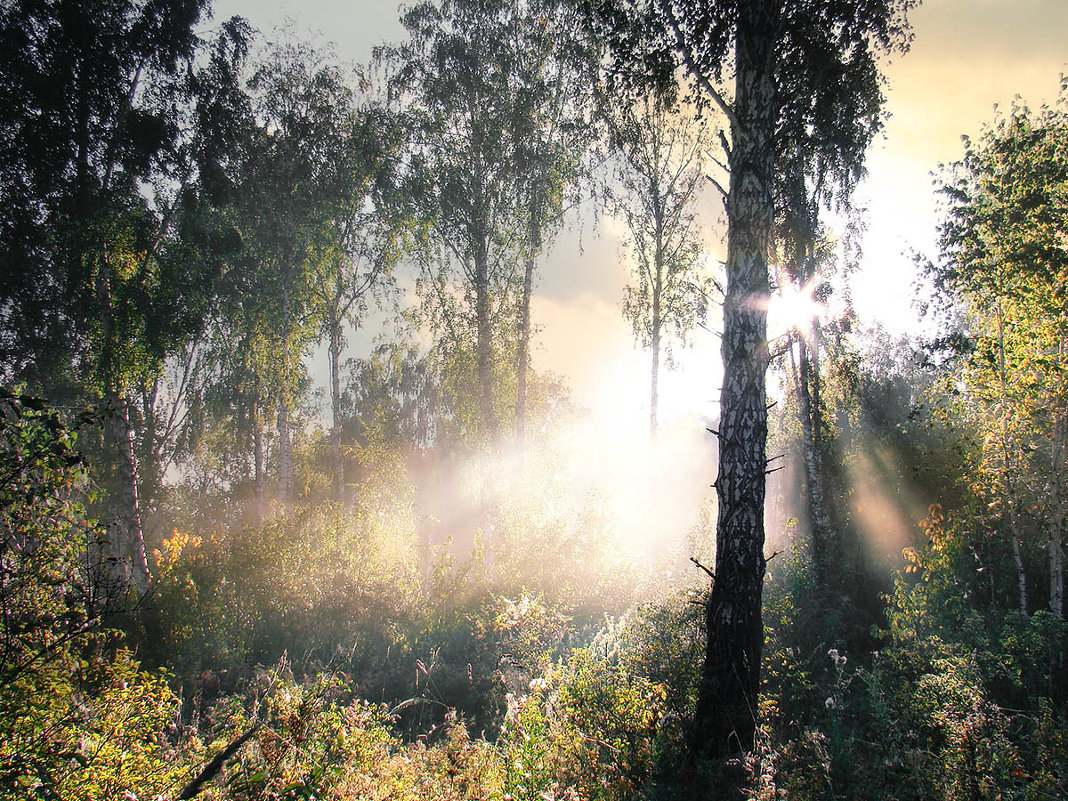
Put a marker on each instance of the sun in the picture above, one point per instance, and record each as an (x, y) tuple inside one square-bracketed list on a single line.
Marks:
[(792, 309)]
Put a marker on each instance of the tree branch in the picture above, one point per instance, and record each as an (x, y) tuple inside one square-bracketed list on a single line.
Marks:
[(716, 184), (691, 67), (212, 768), (711, 575)]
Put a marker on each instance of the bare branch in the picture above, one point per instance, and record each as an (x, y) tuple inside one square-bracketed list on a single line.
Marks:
[(711, 575), (725, 144), (212, 768), (716, 184)]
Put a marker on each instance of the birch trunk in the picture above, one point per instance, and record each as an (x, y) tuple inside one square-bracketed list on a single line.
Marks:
[(484, 344), (1056, 566), (812, 447), (657, 321), (1021, 572), (1060, 511), (285, 442), (725, 719), (259, 459), (337, 457), (1008, 468), (523, 361), (285, 454), (654, 374), (127, 540)]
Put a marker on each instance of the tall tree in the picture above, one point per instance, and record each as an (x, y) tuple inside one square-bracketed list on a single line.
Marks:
[(457, 78), (554, 132), (295, 185), (808, 261), (1005, 261), (805, 78), (660, 171), (360, 249)]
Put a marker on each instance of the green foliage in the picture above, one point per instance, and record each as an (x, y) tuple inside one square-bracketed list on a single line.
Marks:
[(1003, 267), (961, 701), (77, 719), (587, 728), (325, 586)]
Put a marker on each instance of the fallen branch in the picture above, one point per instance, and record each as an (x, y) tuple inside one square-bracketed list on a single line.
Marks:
[(212, 768)]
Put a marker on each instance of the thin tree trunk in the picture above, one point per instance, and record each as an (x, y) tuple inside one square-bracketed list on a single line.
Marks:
[(484, 343), (1060, 510), (657, 281), (335, 408), (285, 442), (654, 373), (285, 454), (523, 360), (812, 447), (1008, 470), (1056, 566), (258, 459), (725, 720), (1021, 572)]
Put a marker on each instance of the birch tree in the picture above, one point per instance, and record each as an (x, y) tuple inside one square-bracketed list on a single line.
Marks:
[(787, 77), (358, 252), (297, 183), (454, 79), (661, 168)]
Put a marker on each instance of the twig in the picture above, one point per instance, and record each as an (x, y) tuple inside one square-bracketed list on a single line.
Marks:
[(711, 575)]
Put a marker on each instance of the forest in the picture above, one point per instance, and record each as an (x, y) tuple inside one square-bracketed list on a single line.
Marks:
[(291, 508)]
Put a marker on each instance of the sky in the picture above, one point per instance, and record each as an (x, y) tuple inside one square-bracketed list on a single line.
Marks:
[(966, 57)]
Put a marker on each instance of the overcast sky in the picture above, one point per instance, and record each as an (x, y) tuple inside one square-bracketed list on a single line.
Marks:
[(967, 56)]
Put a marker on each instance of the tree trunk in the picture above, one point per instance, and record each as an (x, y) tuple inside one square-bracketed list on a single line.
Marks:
[(657, 281), (1021, 572), (1060, 511), (654, 373), (725, 720), (484, 343), (127, 541), (812, 447), (335, 407), (258, 459), (523, 360), (1056, 566), (285, 442), (1008, 468), (285, 453)]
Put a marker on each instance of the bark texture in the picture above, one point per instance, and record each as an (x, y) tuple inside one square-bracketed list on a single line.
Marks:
[(484, 336), (127, 535), (727, 703)]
